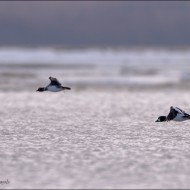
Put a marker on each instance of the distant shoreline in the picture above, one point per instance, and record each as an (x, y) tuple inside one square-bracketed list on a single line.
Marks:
[(100, 47)]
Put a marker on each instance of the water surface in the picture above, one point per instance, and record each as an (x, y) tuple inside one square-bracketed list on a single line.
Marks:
[(93, 139)]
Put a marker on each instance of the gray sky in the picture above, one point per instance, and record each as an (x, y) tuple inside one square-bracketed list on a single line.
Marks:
[(94, 23)]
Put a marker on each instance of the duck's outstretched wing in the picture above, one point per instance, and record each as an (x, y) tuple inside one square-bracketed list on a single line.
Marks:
[(172, 114), (179, 110), (182, 112), (54, 81), (66, 88)]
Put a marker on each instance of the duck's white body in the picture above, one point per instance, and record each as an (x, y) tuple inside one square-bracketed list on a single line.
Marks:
[(53, 88), (179, 117)]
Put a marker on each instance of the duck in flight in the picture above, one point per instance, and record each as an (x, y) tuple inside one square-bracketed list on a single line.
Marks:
[(54, 86), (175, 114)]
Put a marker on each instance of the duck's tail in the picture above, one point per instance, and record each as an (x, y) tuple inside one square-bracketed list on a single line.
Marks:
[(66, 88), (186, 116)]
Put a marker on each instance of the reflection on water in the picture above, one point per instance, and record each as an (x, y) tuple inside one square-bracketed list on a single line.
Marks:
[(93, 139)]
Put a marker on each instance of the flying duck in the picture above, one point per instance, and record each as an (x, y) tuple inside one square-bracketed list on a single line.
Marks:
[(54, 86), (175, 114)]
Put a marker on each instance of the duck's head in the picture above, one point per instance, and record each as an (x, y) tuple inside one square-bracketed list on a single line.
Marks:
[(52, 78), (40, 89), (161, 119)]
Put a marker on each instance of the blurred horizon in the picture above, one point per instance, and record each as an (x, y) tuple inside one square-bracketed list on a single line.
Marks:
[(94, 23), (95, 44)]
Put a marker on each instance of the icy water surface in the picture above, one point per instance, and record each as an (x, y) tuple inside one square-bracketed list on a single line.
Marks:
[(93, 139)]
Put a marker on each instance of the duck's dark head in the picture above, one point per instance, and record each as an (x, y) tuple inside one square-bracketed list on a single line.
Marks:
[(40, 89), (51, 78), (161, 119)]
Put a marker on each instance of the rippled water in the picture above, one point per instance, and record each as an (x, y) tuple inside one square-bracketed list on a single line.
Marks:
[(93, 139)]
